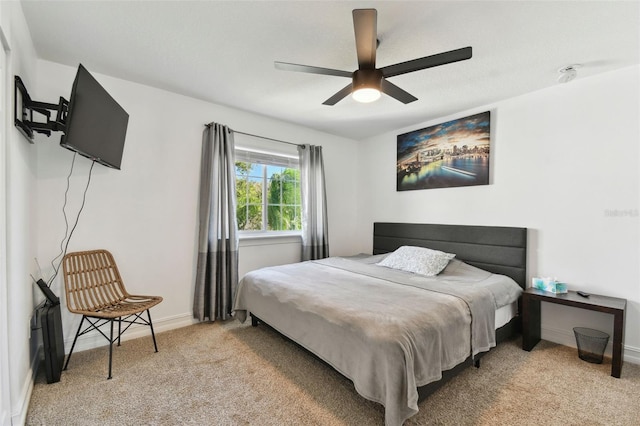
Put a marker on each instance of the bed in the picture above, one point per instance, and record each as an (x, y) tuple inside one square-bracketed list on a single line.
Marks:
[(397, 335)]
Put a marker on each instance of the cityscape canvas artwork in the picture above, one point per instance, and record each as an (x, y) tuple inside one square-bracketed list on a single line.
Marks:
[(451, 154)]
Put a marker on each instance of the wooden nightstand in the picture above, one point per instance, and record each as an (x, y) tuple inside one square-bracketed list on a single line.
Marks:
[(532, 297)]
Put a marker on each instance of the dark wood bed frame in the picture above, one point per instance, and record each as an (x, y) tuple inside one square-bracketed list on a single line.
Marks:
[(497, 249)]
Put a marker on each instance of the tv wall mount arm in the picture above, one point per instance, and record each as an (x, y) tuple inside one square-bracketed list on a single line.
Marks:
[(24, 108)]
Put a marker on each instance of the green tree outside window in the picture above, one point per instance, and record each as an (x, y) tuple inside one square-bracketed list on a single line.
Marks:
[(268, 197)]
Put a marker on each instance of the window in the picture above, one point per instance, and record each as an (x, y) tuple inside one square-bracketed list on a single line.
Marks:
[(267, 192)]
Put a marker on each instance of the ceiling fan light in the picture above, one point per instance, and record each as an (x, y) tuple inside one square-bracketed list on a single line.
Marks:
[(366, 85), (366, 95)]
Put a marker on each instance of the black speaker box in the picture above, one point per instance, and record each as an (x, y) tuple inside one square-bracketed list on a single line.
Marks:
[(52, 340)]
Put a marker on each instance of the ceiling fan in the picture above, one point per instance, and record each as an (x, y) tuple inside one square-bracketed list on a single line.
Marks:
[(368, 81)]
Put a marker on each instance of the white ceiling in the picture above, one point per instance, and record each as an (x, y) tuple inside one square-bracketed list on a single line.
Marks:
[(223, 51)]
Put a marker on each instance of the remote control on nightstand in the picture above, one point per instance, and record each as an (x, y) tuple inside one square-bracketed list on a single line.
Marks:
[(583, 293)]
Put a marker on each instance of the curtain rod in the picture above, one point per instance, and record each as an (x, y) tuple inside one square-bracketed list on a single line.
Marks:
[(261, 137), (271, 139)]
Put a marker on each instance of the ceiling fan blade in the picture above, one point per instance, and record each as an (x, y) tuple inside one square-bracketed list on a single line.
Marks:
[(365, 28), (285, 66), (396, 92), (338, 96), (427, 62)]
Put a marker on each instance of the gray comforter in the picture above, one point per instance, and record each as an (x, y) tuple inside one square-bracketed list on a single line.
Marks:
[(388, 331)]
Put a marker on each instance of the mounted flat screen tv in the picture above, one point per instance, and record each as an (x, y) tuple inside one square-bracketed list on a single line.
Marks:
[(96, 125)]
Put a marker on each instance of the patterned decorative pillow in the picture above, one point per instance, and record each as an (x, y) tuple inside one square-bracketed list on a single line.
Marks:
[(418, 260)]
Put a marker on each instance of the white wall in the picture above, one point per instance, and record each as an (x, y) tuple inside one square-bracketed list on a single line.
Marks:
[(19, 237), (145, 214), (564, 160)]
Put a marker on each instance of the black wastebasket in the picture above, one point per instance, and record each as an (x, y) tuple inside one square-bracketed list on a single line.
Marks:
[(591, 344)]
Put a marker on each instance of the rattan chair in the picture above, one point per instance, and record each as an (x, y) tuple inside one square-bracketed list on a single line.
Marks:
[(94, 289)]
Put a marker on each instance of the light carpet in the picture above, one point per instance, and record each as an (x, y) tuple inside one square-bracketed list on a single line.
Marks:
[(234, 374)]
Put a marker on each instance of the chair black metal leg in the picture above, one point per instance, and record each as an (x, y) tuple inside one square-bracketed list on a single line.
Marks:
[(74, 343), (110, 348), (99, 322), (153, 335), (155, 345), (119, 329)]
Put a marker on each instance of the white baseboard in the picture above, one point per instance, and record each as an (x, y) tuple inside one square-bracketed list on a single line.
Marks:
[(95, 339), (567, 338), (19, 417), (631, 355)]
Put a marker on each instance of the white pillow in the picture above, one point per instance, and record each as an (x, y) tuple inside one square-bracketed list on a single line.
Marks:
[(418, 260)]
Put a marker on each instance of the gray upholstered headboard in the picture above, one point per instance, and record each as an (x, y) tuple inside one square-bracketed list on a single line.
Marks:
[(497, 249)]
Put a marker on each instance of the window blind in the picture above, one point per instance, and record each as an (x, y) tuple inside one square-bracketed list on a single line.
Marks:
[(261, 157)]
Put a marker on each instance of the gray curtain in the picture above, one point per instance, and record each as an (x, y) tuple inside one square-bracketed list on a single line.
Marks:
[(315, 232), (217, 271)]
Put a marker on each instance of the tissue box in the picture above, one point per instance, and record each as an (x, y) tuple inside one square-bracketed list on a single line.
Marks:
[(549, 284)]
